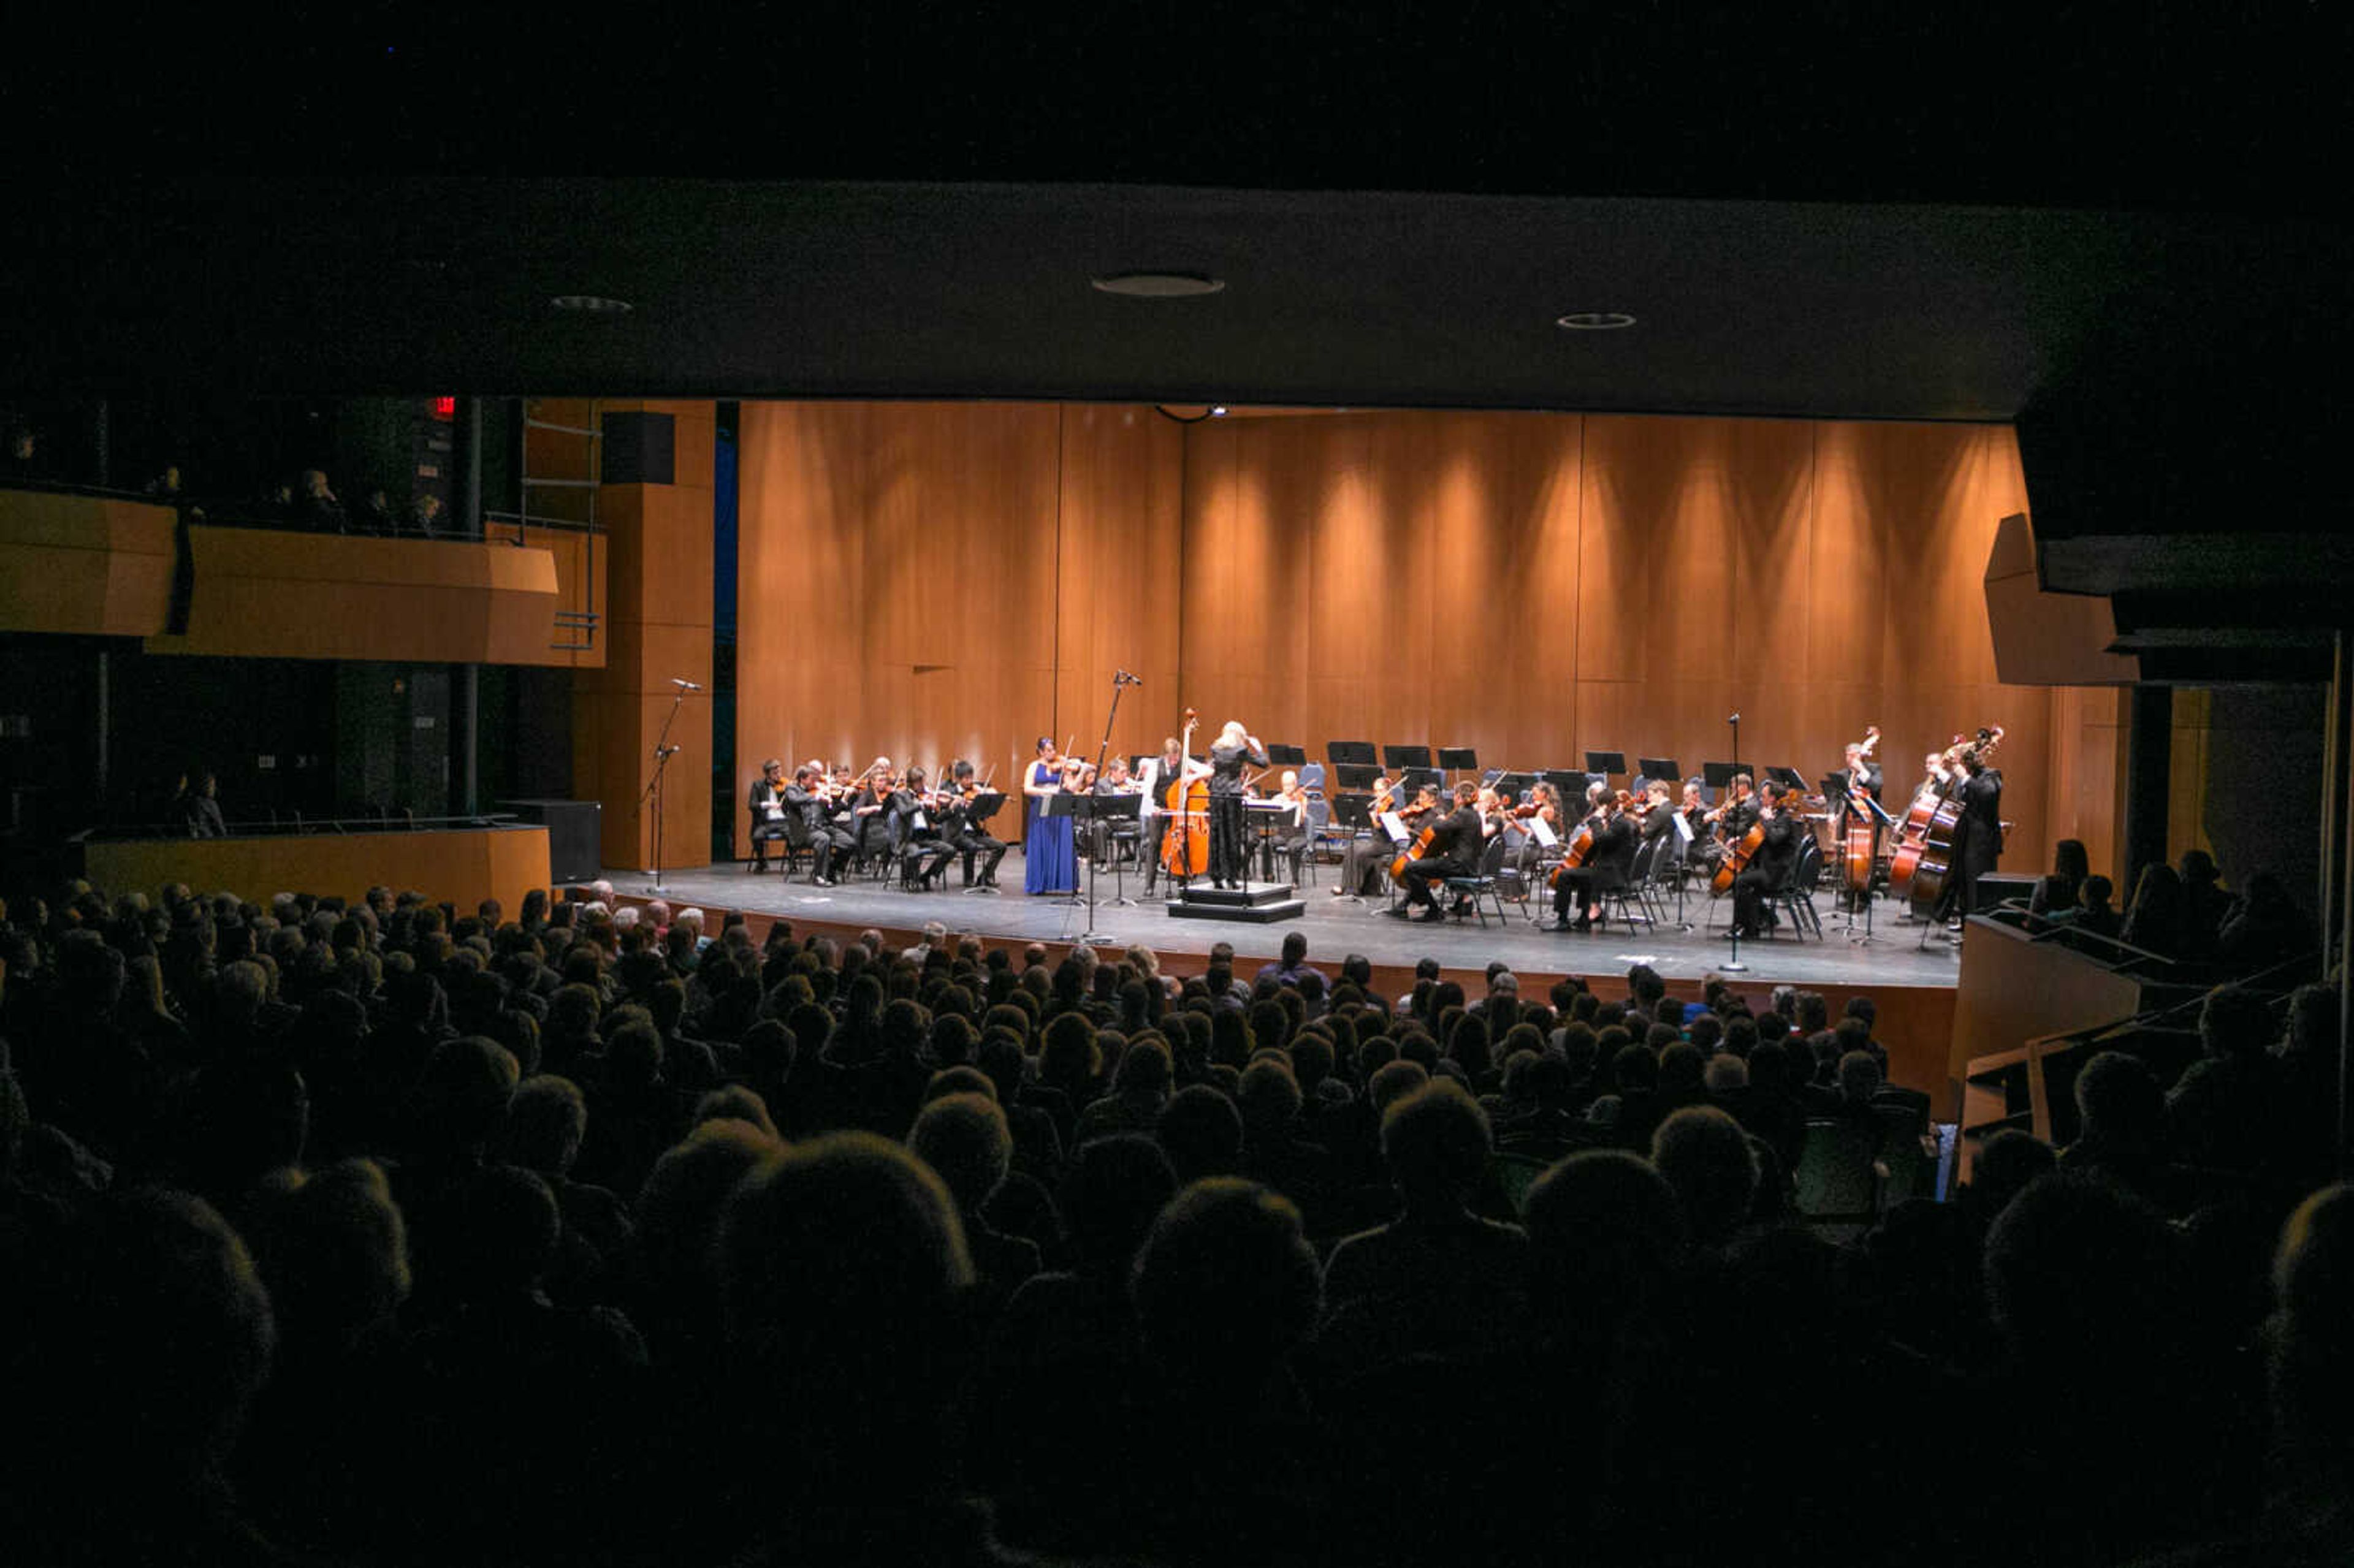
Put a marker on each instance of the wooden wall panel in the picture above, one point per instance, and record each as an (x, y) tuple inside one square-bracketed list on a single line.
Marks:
[(87, 564), (1532, 585), (656, 626), (912, 577)]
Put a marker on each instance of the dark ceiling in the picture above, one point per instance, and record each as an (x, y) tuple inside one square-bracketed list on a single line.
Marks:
[(2119, 230)]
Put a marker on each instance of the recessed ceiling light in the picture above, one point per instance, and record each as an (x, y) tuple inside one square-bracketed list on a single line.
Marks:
[(1594, 320), (592, 304), (1157, 285)]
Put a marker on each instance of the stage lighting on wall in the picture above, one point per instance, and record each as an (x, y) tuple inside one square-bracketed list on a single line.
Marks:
[(1217, 410), (1594, 320), (1157, 285)]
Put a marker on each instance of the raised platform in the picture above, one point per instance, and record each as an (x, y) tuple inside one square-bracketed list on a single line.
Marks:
[(1913, 984), (1252, 904)]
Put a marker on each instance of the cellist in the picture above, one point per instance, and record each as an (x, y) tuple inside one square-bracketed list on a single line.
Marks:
[(1769, 868), (1609, 860)]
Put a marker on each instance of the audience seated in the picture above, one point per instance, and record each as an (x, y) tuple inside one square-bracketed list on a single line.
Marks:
[(1159, 1271)]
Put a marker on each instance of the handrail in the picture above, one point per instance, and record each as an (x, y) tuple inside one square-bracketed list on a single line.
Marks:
[(301, 826)]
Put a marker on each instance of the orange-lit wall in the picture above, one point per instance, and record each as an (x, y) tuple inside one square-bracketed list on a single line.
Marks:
[(937, 579)]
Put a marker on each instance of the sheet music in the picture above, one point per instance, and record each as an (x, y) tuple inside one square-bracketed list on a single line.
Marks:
[(1543, 831), (918, 822), (1683, 827), (1393, 825)]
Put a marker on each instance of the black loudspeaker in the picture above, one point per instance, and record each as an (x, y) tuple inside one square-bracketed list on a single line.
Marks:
[(1996, 886), (639, 448), (575, 835)]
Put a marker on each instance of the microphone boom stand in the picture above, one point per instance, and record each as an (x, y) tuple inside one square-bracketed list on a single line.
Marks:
[(1120, 683), (664, 752), (1734, 964)]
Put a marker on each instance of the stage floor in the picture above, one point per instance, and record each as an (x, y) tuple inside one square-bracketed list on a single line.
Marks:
[(1335, 928)]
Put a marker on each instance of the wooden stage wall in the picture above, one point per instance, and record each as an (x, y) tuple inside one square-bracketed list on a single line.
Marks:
[(928, 581)]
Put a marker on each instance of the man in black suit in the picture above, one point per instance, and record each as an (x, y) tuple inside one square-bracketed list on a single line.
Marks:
[(1455, 842), (826, 840), (1769, 868), (966, 836), (767, 811), (1977, 837)]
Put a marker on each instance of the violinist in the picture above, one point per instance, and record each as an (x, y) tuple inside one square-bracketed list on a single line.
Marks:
[(1235, 746), (1769, 868), (1106, 834), (1291, 838), (1050, 861), (1361, 862), (966, 836), (768, 804), (922, 852), (871, 812), (1160, 772), (1455, 845), (1657, 818), (807, 795), (1693, 808), (1543, 806), (1606, 868)]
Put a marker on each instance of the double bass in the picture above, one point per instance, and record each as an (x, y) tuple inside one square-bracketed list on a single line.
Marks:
[(1859, 850), (1186, 842), (1926, 863)]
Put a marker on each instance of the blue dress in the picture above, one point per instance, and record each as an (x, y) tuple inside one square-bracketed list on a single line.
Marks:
[(1049, 861)]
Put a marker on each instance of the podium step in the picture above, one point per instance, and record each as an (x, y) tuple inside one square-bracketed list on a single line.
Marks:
[(1253, 903)]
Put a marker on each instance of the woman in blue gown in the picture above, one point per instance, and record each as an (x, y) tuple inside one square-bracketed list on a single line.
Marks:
[(1049, 861)]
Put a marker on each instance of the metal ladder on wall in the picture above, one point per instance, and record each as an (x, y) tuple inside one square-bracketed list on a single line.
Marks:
[(579, 624)]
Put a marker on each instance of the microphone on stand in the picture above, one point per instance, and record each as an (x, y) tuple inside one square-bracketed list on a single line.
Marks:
[(684, 685), (1126, 679), (1734, 719)]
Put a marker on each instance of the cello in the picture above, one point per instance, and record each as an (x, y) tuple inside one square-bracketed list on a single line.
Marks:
[(1185, 841)]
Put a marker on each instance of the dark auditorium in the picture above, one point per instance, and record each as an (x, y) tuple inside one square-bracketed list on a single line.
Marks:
[(1178, 787)]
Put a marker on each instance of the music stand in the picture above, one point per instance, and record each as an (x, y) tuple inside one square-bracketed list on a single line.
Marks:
[(1609, 764), (1354, 813), (1286, 756), (1079, 808), (1414, 779), (1458, 758), (1569, 784), (1356, 775), (1659, 767), (1511, 784), (1356, 753), (1114, 809), (1718, 774), (1403, 756), (1788, 778)]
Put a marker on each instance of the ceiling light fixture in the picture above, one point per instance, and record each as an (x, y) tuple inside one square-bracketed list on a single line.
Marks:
[(592, 304), (1594, 320), (1217, 410), (1157, 285)]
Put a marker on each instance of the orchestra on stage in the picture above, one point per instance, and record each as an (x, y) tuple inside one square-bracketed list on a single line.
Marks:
[(1561, 841)]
